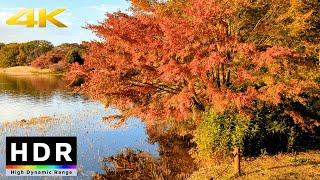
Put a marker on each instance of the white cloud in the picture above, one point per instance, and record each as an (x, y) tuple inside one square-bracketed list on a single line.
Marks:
[(65, 18), (9, 9), (6, 13), (104, 8)]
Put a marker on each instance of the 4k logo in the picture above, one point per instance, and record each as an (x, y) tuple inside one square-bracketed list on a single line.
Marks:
[(30, 21)]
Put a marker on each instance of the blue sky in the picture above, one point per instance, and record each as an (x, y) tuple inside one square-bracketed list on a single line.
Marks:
[(77, 14)]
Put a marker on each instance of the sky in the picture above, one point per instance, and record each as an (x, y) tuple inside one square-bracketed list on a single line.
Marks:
[(78, 13)]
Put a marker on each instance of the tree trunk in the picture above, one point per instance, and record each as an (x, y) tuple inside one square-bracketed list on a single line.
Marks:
[(218, 77), (223, 74), (228, 78), (237, 168)]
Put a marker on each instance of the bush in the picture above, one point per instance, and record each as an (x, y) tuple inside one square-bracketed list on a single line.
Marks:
[(47, 59), (219, 134), (269, 131)]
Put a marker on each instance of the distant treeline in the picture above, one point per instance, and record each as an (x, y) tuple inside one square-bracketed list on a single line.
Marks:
[(41, 54)]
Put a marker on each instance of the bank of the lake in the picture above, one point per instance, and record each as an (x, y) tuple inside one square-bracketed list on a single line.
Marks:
[(299, 165), (27, 70)]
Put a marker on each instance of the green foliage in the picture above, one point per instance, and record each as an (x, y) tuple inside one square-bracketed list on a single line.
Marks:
[(299, 161), (29, 51), (71, 46), (22, 54), (268, 131), (9, 54), (219, 134), (73, 56), (40, 53), (292, 23)]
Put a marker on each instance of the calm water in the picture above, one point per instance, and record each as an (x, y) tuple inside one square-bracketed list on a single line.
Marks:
[(64, 114)]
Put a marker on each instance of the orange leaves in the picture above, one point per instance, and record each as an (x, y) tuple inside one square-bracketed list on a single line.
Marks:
[(144, 5), (174, 59), (298, 119), (173, 72), (272, 94), (205, 10)]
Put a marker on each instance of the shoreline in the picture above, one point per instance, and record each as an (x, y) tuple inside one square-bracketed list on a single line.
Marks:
[(27, 70)]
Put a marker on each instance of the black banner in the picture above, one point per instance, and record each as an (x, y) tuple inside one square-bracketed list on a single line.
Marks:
[(51, 151)]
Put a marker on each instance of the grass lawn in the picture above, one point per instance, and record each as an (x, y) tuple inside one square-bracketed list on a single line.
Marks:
[(24, 70), (304, 165)]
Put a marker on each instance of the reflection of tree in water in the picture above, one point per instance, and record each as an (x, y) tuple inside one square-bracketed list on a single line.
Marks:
[(31, 85), (174, 161)]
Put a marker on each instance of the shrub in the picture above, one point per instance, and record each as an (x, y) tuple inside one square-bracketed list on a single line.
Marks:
[(269, 130), (47, 59), (219, 134), (272, 130)]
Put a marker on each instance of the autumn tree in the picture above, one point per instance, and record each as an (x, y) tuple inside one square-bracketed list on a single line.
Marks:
[(213, 64), (171, 59), (29, 51), (294, 24), (60, 57), (22, 54), (8, 55)]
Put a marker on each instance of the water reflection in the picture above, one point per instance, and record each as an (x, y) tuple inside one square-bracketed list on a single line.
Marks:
[(33, 85), (64, 114), (173, 161)]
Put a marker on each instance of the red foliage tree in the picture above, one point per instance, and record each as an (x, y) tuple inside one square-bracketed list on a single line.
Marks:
[(172, 59), (60, 57), (46, 60)]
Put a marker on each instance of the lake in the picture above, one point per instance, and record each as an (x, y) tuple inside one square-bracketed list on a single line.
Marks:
[(42, 106)]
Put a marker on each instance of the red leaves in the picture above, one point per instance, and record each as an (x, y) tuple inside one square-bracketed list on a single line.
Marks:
[(171, 61)]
